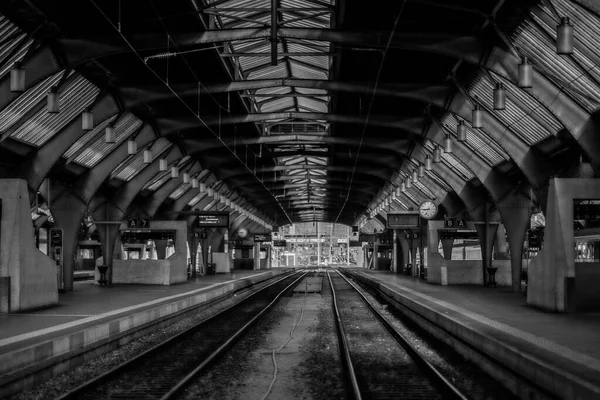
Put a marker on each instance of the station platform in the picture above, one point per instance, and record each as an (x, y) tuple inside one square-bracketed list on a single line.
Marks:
[(91, 318), (558, 352)]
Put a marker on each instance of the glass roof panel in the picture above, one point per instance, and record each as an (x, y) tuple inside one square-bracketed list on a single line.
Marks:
[(196, 199), (11, 114), (91, 155), (181, 189), (516, 120), (487, 151), (14, 49), (75, 96), (158, 180), (541, 49), (130, 168), (270, 72), (280, 103)]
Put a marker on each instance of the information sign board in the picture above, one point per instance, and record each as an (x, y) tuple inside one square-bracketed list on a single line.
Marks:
[(449, 222), (279, 243), (262, 237), (404, 220), (213, 219), (459, 234)]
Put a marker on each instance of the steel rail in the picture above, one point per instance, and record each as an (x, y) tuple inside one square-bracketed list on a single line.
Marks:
[(444, 385), (344, 348), (225, 346), (97, 381)]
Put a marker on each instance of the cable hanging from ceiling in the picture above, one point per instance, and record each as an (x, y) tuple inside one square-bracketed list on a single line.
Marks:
[(185, 104)]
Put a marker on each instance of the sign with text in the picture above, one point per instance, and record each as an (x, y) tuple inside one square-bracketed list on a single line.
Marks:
[(461, 223), (144, 236), (449, 222), (279, 243), (262, 237), (56, 237), (459, 234), (213, 219), (404, 220)]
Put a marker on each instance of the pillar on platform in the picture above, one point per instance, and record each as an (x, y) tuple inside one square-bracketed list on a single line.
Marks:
[(28, 278), (447, 245)]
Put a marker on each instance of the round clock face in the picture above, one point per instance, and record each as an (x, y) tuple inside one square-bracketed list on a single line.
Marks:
[(428, 209), (242, 233)]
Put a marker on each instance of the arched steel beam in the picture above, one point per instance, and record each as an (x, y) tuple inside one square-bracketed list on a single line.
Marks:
[(382, 174), (408, 125), (134, 96), (82, 49)]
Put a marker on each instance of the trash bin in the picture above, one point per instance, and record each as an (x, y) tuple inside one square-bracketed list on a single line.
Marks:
[(211, 269), (103, 281)]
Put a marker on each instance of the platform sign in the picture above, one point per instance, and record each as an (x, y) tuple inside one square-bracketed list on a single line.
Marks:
[(262, 237), (411, 235), (213, 219), (404, 220), (144, 222), (449, 222), (279, 243), (133, 223), (459, 234), (461, 223)]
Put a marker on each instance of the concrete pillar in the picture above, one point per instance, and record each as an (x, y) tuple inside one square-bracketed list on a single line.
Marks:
[(486, 232), (447, 245), (28, 278), (500, 252), (395, 252), (515, 216), (405, 249), (257, 256), (376, 255), (108, 232), (67, 210)]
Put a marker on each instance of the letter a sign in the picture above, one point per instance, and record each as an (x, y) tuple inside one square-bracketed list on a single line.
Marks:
[(461, 223)]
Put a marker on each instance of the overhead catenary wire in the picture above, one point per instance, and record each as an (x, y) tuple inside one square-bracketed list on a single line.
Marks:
[(362, 136), (175, 94)]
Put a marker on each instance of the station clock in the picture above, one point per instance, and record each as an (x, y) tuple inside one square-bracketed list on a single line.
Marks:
[(242, 232), (428, 209)]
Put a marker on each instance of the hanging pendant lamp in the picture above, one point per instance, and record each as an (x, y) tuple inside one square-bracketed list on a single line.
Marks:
[(194, 183), (437, 155), (525, 74), (461, 131), (53, 100), (421, 171), (147, 156), (163, 164), (87, 120), (415, 176), (399, 190), (131, 147), (222, 199), (447, 144), (394, 194), (110, 135), (209, 192), (477, 117), (174, 172), (186, 177), (564, 37), (17, 78), (202, 187), (428, 166), (499, 97), (408, 183)]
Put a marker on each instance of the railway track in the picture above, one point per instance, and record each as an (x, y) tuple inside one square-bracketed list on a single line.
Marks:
[(164, 370), (379, 362)]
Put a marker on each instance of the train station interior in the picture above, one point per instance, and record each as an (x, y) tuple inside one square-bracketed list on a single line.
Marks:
[(156, 156)]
